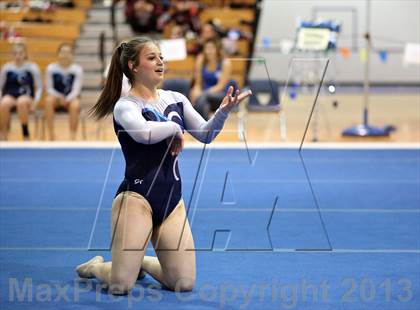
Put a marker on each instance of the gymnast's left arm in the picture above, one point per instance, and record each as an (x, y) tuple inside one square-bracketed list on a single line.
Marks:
[(38, 82), (207, 131)]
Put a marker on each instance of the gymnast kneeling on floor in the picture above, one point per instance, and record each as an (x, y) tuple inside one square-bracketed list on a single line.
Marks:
[(148, 205)]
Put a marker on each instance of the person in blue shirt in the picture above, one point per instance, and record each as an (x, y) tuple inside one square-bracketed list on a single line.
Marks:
[(20, 88), (150, 123), (63, 81), (211, 78)]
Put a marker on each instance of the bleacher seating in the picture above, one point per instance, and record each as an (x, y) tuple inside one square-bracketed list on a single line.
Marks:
[(227, 18), (64, 25), (34, 46), (42, 32), (73, 16), (180, 69)]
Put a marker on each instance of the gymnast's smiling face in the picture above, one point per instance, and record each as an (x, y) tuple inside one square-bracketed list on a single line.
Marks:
[(150, 68)]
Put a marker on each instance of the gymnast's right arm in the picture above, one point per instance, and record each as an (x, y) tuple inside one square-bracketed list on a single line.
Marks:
[(129, 116)]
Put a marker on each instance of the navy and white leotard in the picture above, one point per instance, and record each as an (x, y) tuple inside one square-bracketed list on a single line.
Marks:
[(64, 81), (23, 80), (143, 129)]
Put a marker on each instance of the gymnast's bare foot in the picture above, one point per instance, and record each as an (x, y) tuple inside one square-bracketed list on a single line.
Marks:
[(84, 270)]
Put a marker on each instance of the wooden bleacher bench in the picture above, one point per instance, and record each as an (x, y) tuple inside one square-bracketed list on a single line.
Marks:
[(221, 3), (239, 66), (212, 3), (74, 16), (180, 69), (228, 18), (34, 46), (241, 2), (227, 14), (86, 4), (42, 60), (243, 47), (40, 30)]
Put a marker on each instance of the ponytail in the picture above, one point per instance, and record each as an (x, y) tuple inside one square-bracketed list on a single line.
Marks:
[(117, 69), (112, 90)]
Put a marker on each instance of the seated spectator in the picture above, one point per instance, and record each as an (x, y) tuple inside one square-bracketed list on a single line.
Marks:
[(229, 38), (211, 78), (177, 32), (212, 30), (20, 88), (63, 82), (142, 15), (208, 31), (184, 13)]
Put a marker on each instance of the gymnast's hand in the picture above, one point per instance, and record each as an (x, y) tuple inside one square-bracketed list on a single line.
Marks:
[(230, 101), (177, 144)]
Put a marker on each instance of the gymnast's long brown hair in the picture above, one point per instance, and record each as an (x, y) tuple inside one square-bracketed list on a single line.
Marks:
[(119, 66)]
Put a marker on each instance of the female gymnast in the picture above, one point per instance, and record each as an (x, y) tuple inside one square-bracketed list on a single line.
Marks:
[(20, 87), (63, 84), (149, 123)]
